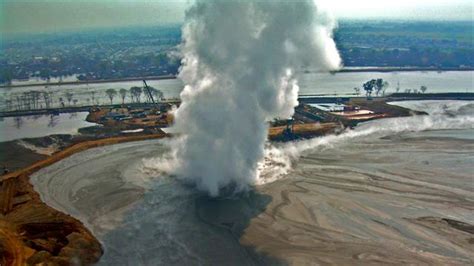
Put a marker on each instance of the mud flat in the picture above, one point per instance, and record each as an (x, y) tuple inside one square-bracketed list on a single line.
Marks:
[(162, 220), (388, 197), (401, 197), (398, 200), (394, 191), (31, 232)]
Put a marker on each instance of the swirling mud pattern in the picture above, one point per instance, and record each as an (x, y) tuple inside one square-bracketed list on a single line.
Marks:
[(404, 196)]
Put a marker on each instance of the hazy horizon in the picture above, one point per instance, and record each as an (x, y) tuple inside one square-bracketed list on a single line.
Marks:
[(19, 17)]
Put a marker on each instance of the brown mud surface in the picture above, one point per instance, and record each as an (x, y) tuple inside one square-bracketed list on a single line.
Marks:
[(32, 232), (391, 201)]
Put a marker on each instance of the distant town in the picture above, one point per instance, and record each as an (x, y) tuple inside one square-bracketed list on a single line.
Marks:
[(152, 51)]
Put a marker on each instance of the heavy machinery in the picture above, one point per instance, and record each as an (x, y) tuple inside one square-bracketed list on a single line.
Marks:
[(288, 133), (148, 92)]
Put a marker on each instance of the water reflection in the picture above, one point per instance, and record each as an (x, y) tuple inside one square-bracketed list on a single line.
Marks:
[(53, 121), (18, 122), (309, 82), (13, 128)]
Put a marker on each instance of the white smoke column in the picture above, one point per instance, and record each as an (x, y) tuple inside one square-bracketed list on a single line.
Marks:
[(238, 66)]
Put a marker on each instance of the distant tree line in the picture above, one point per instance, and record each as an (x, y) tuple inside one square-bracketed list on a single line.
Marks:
[(379, 86), (151, 51), (35, 99)]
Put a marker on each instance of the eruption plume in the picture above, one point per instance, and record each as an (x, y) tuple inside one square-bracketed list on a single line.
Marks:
[(238, 69)]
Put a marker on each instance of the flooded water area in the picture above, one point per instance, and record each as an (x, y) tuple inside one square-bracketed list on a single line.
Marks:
[(344, 83), (392, 191), (14, 128), (309, 83)]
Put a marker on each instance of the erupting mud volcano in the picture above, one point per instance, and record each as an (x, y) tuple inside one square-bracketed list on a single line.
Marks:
[(389, 196), (200, 148), (239, 60)]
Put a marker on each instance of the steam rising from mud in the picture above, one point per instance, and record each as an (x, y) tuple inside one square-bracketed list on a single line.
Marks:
[(238, 66), (442, 115)]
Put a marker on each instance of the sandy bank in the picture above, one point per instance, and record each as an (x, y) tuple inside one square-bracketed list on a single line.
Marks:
[(32, 232)]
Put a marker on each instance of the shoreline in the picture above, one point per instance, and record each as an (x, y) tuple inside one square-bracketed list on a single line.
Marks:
[(51, 235), (17, 195), (32, 232), (166, 77), (402, 69), (75, 148), (294, 210), (81, 82), (304, 98)]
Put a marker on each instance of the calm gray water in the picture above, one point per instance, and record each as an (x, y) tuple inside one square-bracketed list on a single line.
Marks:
[(310, 83), (12, 128), (352, 198), (456, 81)]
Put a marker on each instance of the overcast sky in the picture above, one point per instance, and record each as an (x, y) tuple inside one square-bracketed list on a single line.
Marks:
[(19, 16)]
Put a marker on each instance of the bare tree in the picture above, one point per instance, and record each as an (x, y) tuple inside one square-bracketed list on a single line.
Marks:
[(9, 104), (111, 94), (423, 89), (357, 90), (18, 102), (385, 86), (369, 87), (61, 101), (136, 93), (69, 96), (380, 85), (34, 97), (123, 94), (27, 100), (157, 94), (93, 96), (47, 98)]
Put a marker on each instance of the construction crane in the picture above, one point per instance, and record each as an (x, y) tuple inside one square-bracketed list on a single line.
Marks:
[(148, 91)]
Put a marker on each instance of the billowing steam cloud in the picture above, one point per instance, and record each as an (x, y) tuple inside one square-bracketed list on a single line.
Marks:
[(238, 66)]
